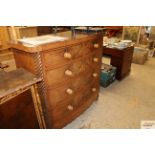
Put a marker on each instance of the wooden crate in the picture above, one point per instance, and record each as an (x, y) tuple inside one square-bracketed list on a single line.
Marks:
[(140, 57)]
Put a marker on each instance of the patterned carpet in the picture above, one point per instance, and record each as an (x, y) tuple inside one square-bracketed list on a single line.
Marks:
[(123, 104)]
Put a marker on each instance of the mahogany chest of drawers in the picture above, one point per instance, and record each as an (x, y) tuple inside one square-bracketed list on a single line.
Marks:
[(70, 72)]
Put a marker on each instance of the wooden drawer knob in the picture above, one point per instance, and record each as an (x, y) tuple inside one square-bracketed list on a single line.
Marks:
[(68, 73), (96, 45), (94, 89), (95, 74), (70, 107), (95, 59), (67, 55), (69, 91)]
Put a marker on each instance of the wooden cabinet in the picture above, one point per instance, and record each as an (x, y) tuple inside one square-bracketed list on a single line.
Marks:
[(121, 59), (70, 71), (18, 113)]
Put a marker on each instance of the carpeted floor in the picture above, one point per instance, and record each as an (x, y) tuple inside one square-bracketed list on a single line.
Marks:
[(123, 104)]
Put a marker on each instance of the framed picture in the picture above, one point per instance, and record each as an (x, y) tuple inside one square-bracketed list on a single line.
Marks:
[(131, 33)]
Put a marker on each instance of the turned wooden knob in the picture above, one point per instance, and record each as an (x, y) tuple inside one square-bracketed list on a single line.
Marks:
[(95, 59), (70, 107), (69, 91), (94, 89), (68, 73), (96, 45), (67, 55), (95, 74)]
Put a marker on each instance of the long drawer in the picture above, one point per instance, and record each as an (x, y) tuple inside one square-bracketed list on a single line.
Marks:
[(69, 89), (74, 114), (89, 64), (69, 106), (61, 56)]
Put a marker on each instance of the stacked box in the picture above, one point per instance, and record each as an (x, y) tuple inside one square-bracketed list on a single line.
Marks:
[(140, 55), (108, 75)]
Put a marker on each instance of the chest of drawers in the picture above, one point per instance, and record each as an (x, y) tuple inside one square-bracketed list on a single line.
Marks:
[(70, 73)]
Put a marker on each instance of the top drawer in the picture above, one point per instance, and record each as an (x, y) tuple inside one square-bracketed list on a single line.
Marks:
[(61, 56)]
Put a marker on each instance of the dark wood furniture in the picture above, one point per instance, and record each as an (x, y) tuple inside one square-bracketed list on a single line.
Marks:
[(121, 59), (86, 29), (70, 72), (15, 83)]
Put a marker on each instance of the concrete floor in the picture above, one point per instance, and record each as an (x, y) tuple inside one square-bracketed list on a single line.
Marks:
[(123, 104)]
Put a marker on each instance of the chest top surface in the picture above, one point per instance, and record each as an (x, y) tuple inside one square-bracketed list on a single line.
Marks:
[(70, 38)]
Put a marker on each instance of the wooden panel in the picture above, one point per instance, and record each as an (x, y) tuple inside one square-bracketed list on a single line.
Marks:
[(127, 62), (18, 113), (25, 60), (6, 55), (4, 38), (43, 30)]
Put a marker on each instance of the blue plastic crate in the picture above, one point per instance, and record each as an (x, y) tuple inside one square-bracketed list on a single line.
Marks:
[(108, 75)]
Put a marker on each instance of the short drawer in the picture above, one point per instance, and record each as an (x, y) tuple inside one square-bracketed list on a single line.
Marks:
[(59, 57)]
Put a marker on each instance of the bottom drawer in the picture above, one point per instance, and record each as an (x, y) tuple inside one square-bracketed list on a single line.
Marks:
[(70, 106), (76, 112)]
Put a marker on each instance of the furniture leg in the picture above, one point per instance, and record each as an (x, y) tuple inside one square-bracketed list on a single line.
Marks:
[(37, 106)]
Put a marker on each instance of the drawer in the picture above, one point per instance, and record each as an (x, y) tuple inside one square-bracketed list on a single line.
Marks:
[(116, 62), (68, 90), (68, 107), (113, 52), (59, 57), (81, 67)]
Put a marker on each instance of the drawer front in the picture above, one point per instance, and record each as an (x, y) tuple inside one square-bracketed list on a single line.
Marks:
[(69, 89), (70, 71), (68, 107), (116, 62), (59, 57)]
